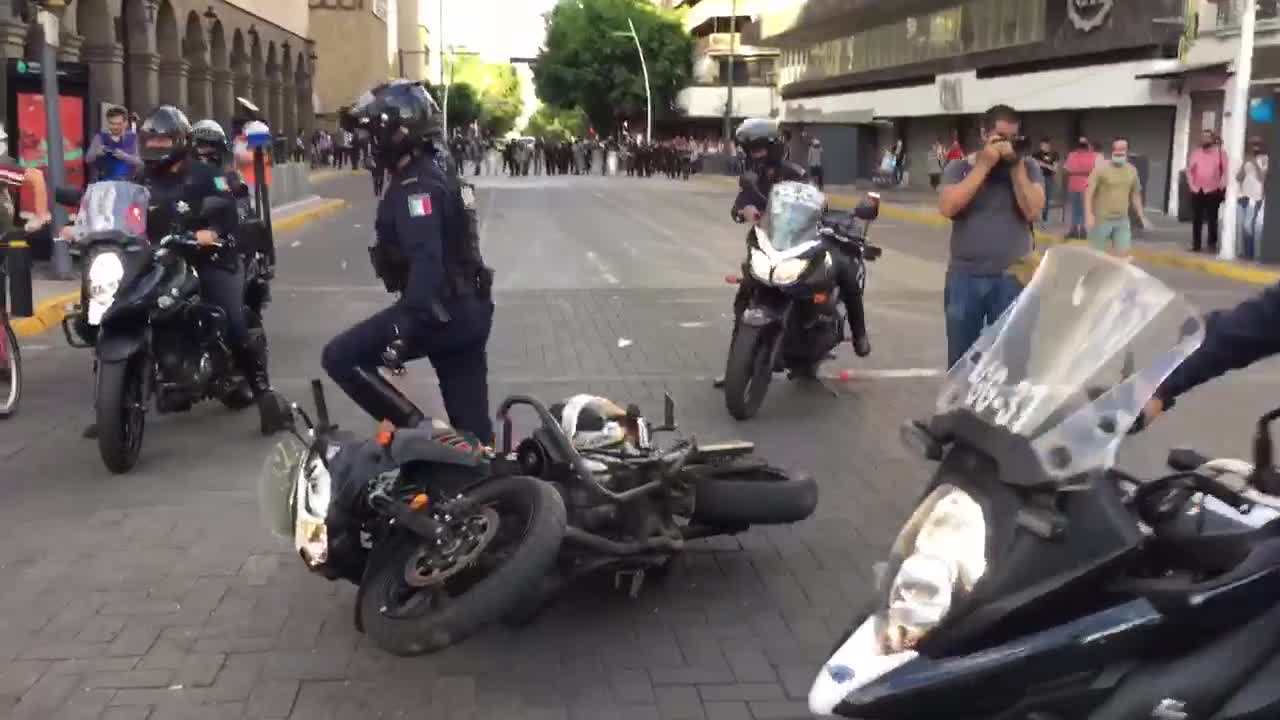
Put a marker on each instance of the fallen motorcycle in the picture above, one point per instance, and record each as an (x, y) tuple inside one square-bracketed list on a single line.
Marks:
[(438, 544), (632, 506), (1035, 580)]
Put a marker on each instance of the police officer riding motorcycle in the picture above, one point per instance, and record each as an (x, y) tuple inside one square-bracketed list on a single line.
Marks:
[(178, 185), (426, 250), (765, 148)]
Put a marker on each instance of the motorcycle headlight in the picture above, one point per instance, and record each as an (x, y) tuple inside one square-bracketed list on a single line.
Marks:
[(311, 534), (941, 555), (276, 486), (105, 274), (789, 271)]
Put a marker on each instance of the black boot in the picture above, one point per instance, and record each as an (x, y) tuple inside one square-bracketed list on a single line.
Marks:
[(858, 326), (862, 346), (273, 413)]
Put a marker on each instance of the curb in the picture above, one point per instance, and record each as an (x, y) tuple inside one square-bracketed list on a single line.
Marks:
[(1246, 273), (321, 209), (48, 314), (324, 175)]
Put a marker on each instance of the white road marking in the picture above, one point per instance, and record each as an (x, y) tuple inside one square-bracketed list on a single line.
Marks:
[(34, 348), (886, 373), (696, 324), (601, 268)]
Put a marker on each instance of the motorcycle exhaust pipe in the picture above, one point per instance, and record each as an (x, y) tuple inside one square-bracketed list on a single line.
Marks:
[(577, 536)]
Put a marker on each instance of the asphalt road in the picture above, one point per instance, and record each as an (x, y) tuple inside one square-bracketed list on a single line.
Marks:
[(158, 595)]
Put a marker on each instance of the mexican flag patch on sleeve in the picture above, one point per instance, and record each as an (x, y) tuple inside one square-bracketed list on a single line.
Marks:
[(419, 205)]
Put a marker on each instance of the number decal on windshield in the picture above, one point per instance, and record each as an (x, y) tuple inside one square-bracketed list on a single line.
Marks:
[(1011, 407)]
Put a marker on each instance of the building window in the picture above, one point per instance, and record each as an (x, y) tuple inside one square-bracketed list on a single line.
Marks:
[(969, 27), (747, 71)]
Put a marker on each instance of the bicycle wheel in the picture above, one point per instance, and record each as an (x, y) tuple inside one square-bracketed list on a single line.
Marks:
[(10, 369)]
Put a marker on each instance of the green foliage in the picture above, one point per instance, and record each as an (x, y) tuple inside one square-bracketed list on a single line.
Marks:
[(484, 92), (552, 123), (591, 62)]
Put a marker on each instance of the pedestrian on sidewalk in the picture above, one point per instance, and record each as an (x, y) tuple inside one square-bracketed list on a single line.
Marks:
[(1252, 178), (113, 152), (992, 198), (937, 163), (815, 163), (1207, 178), (1080, 164), (1114, 188), (1048, 159), (956, 151)]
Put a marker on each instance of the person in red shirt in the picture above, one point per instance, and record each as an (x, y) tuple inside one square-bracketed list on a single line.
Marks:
[(956, 152), (1207, 171)]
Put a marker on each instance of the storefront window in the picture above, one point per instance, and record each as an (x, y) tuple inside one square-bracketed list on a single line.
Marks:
[(969, 27)]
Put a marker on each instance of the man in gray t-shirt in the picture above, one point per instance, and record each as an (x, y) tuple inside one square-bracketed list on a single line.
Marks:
[(992, 198)]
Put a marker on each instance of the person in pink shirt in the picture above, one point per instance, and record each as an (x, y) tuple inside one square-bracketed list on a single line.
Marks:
[(1080, 163), (1207, 177)]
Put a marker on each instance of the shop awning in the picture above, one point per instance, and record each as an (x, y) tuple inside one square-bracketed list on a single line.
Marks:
[(1186, 71)]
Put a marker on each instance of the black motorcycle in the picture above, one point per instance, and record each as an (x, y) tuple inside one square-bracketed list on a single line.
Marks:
[(794, 320), (632, 506), (438, 542), (143, 315), (1033, 579)]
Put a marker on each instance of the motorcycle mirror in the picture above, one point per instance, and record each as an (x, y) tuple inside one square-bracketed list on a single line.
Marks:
[(65, 195), (1265, 478), (668, 411), (322, 408)]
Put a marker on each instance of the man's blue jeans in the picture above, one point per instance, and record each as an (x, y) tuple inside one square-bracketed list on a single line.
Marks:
[(973, 301)]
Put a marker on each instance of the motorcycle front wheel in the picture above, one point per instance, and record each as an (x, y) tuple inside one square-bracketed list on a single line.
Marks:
[(10, 369), (121, 412), (417, 600), (749, 371)]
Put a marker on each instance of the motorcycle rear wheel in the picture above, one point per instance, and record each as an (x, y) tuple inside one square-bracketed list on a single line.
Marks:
[(749, 371), (751, 494), (410, 619), (121, 413)]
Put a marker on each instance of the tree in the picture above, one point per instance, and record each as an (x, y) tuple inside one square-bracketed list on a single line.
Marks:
[(552, 123), (586, 64), (464, 105), (492, 96)]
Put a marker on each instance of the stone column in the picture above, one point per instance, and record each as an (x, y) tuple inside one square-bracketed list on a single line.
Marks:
[(106, 77), (289, 110), (200, 92), (173, 85), (69, 48), (13, 40), (306, 110), (144, 82), (258, 92), (274, 106), (223, 97)]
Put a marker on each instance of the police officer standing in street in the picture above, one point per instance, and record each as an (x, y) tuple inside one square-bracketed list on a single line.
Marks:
[(427, 250)]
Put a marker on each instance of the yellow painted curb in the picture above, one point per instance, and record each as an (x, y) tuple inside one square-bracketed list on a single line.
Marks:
[(48, 314), (1240, 272), (324, 175), (311, 214)]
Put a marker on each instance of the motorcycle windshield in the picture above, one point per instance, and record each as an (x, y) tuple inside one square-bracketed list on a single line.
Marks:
[(795, 210), (114, 205), (1072, 363)]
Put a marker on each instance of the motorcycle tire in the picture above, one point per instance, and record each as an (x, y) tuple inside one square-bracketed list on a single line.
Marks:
[(121, 413), (748, 372), (10, 369), (419, 630), (751, 495)]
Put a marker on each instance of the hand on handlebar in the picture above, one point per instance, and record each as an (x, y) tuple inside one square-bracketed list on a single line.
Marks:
[(207, 238)]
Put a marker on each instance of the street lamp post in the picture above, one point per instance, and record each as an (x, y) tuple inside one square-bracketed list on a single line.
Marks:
[(454, 53), (48, 16), (1236, 127), (644, 68), (728, 105)]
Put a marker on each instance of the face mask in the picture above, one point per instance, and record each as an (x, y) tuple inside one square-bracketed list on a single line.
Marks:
[(1117, 159)]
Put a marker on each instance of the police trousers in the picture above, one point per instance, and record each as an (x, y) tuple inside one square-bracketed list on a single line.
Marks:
[(224, 287), (456, 350)]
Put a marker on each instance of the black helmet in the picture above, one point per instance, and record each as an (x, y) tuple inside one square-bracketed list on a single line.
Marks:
[(398, 115), (761, 133), (169, 122)]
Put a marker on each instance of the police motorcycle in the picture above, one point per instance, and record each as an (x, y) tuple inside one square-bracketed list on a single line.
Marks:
[(794, 320), (634, 504), (1034, 579), (141, 312), (438, 541)]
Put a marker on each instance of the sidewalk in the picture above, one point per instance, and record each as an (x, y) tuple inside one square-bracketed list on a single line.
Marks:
[(1165, 244), (53, 299)]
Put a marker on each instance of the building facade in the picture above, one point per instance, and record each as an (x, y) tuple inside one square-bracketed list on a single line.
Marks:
[(195, 54), (860, 74), (720, 52)]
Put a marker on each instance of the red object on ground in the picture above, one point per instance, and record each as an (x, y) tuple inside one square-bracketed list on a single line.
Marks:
[(845, 375), (732, 279)]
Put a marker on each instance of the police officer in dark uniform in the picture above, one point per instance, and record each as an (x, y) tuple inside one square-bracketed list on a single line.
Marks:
[(428, 251), (765, 148), (179, 185), (1233, 339)]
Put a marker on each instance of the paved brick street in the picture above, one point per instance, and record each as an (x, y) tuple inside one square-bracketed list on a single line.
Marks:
[(158, 594)]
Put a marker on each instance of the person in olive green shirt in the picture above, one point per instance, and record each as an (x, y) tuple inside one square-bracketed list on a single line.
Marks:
[(1114, 187)]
